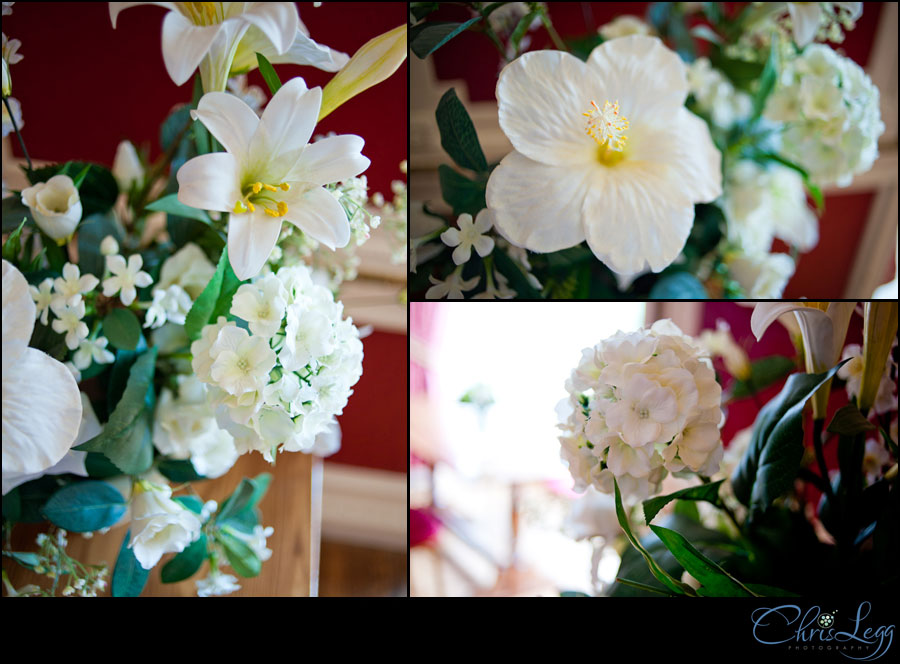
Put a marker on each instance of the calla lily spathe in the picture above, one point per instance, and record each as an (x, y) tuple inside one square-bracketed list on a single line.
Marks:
[(270, 173), (34, 385)]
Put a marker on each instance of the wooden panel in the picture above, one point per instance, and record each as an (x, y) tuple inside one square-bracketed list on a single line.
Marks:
[(287, 507)]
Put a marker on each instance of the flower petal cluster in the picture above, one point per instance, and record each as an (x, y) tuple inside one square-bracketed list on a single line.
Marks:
[(830, 107), (280, 386), (626, 179), (641, 405), (127, 277), (159, 524), (470, 235)]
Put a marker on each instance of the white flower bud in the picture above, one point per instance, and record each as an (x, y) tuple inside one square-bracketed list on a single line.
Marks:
[(127, 168), (55, 206), (109, 246)]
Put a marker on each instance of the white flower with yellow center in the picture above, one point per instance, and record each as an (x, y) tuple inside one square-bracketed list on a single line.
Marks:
[(71, 285), (469, 235), (270, 173), (604, 151), (126, 276), (68, 321), (55, 206), (43, 297)]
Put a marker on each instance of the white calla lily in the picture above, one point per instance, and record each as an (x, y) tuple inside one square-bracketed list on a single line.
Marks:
[(270, 173), (824, 328), (34, 384)]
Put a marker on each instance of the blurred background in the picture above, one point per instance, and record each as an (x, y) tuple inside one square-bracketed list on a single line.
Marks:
[(83, 87), (492, 511), (858, 231)]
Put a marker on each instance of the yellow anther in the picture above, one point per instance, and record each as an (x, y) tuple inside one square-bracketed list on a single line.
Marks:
[(251, 206), (606, 127), (285, 186), (257, 187), (282, 208), (269, 187), (271, 213)]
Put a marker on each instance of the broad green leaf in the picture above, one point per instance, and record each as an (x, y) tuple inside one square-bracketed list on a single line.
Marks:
[(240, 556), (426, 38), (79, 179), (202, 309), (48, 340), (237, 501), (776, 448), (91, 232), (185, 564), (179, 470), (129, 578), (707, 231), (14, 211), (678, 286), (85, 506), (99, 467), (25, 503), (122, 328), (706, 492), (25, 559), (171, 205), (849, 421), (461, 193), (193, 503), (763, 372), (268, 73), (715, 581), (458, 137)]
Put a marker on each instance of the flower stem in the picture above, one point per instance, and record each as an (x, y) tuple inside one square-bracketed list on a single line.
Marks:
[(12, 119), (818, 426), (554, 35)]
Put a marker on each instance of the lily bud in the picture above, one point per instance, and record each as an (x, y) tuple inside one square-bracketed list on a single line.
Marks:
[(127, 168)]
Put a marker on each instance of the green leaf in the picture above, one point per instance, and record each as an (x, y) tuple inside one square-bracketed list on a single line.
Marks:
[(707, 231), (766, 82), (849, 421), (13, 245), (517, 279), (215, 300), (715, 581), (179, 470), (14, 211), (426, 38), (706, 492), (763, 372), (268, 73), (458, 136), (185, 564), (99, 467), (644, 587), (25, 503), (776, 448), (79, 179), (678, 286), (91, 232), (237, 501), (46, 339), (129, 578), (461, 193), (240, 556), (193, 503), (85, 506), (122, 328), (572, 593), (171, 205), (522, 28), (664, 577), (25, 559), (422, 9)]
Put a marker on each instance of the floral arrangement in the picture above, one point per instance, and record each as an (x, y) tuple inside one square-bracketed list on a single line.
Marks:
[(651, 158), (771, 514), (162, 319)]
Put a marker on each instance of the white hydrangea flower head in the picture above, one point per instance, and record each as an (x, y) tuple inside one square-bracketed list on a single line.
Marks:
[(262, 305), (641, 405), (716, 96), (607, 153)]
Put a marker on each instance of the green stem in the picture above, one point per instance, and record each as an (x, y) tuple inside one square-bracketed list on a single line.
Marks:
[(12, 120), (554, 35), (818, 426)]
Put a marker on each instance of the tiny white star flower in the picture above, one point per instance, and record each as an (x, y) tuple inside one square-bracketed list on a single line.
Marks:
[(68, 321), (125, 278), (170, 304), (71, 285), (470, 234), (43, 297), (217, 584), (95, 349), (452, 287)]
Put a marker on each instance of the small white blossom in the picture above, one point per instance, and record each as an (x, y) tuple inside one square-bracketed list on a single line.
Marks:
[(452, 287), (171, 304), (125, 277), (95, 349), (109, 246), (470, 234), (68, 321), (72, 285), (43, 298), (217, 584), (242, 362)]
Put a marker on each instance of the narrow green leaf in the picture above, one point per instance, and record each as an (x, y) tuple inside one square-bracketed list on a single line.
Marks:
[(715, 581), (171, 205), (517, 279), (237, 501), (240, 556), (522, 28), (268, 73), (13, 245), (85, 506), (849, 421), (706, 492), (79, 179), (129, 578), (185, 564), (766, 82), (202, 309), (426, 38), (193, 503), (122, 328), (644, 587), (458, 136)]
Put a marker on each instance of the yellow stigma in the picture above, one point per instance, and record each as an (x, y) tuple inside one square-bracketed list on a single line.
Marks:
[(258, 192), (606, 126)]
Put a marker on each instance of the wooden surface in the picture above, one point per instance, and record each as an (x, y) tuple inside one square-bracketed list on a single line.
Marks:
[(357, 571), (287, 507)]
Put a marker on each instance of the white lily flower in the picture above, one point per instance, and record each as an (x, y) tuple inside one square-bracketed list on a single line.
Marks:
[(627, 186), (55, 206), (270, 173), (41, 404), (470, 234), (125, 277), (824, 328), (71, 285)]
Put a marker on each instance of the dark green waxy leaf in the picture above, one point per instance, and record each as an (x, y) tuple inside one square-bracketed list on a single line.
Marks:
[(461, 193), (245, 498), (573, 593), (14, 212), (122, 328), (776, 448), (678, 286), (240, 556), (715, 581), (458, 137), (46, 339), (99, 467), (91, 232), (85, 506), (118, 376), (25, 503), (193, 503), (129, 578), (215, 300), (25, 559), (179, 470), (849, 421), (706, 492), (185, 564), (707, 231), (420, 10), (426, 38), (171, 205), (763, 372), (517, 279), (268, 73)]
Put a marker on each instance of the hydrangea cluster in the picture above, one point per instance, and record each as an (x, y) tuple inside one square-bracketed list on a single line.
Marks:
[(641, 405), (281, 382), (182, 278), (715, 96), (831, 110)]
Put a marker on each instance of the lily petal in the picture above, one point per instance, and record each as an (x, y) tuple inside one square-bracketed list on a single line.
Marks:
[(319, 215), (116, 7), (210, 182), (330, 159), (285, 129), (251, 237), (229, 119), (278, 21), (805, 17), (18, 311), (185, 45)]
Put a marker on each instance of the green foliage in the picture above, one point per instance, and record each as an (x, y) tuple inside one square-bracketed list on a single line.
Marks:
[(766, 82), (461, 193), (707, 231), (91, 232), (420, 10), (25, 503), (706, 492), (215, 300), (240, 556), (14, 212), (85, 506), (46, 339), (185, 564), (129, 578), (122, 328), (240, 510), (171, 205), (193, 503), (517, 279), (458, 137), (849, 421), (178, 470), (268, 73), (426, 38), (13, 245), (763, 373)]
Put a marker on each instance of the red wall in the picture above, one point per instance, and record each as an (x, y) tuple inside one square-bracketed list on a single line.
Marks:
[(473, 58)]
